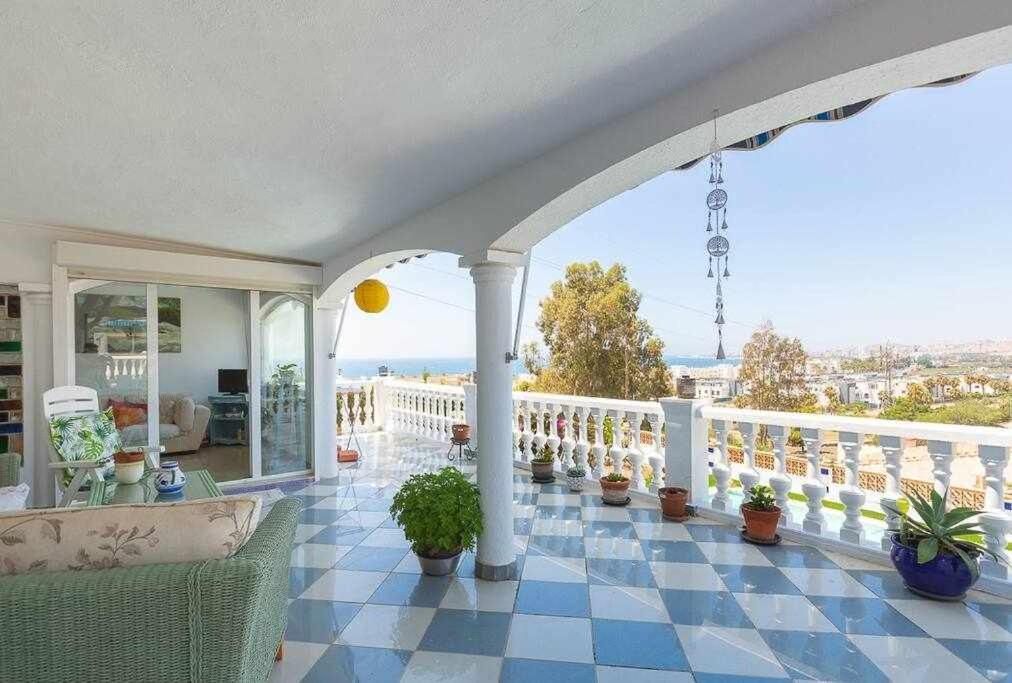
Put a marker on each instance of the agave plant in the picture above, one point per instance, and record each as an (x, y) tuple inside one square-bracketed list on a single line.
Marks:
[(940, 531)]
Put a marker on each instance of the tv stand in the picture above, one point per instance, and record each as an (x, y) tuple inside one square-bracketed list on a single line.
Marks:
[(229, 425)]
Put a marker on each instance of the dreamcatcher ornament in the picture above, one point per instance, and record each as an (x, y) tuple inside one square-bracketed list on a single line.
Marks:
[(717, 246)]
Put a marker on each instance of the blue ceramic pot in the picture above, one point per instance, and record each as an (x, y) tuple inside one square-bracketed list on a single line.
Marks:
[(946, 577)]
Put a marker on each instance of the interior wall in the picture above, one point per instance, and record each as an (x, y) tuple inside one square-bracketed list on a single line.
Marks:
[(214, 330)]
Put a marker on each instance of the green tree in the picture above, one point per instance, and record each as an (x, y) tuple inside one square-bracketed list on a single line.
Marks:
[(919, 394), (596, 344), (773, 373)]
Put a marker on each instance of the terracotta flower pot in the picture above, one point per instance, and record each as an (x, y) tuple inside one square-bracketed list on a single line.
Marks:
[(673, 500), (542, 471), (761, 524), (461, 432), (614, 491)]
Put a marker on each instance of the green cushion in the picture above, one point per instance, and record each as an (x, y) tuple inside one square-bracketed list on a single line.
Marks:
[(86, 437)]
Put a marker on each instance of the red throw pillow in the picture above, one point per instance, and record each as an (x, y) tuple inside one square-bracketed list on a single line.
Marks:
[(126, 414)]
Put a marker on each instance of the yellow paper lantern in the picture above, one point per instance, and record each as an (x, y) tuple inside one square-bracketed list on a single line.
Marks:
[(372, 296)]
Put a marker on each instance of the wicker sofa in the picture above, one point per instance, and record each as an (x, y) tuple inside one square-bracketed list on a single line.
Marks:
[(216, 620)]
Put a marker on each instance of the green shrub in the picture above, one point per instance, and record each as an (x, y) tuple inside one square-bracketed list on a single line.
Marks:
[(440, 512), (762, 498), (615, 476)]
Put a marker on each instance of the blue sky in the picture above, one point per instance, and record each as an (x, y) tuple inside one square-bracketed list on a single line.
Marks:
[(893, 225)]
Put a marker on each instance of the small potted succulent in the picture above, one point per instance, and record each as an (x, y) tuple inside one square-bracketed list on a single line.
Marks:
[(576, 476), (615, 488), (440, 513), (673, 501), (761, 515), (543, 465), (936, 555), (461, 432)]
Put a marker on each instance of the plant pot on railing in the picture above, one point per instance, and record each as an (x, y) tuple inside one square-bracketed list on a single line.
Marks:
[(673, 501), (761, 516), (440, 513), (615, 489)]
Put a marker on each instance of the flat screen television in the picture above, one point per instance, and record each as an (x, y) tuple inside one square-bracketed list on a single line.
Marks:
[(232, 382)]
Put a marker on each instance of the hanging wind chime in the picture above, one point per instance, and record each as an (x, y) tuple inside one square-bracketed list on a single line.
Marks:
[(717, 246)]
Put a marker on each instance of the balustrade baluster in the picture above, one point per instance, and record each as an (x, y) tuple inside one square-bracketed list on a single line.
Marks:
[(553, 435), (721, 466), (851, 495), (568, 442), (749, 475), (656, 454), (814, 487), (780, 481), (941, 453), (892, 453), (527, 434), (995, 522), (539, 433), (599, 448), (635, 451), (617, 452), (518, 441), (581, 448)]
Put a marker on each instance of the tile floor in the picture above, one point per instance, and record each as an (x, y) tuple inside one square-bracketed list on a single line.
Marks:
[(607, 595)]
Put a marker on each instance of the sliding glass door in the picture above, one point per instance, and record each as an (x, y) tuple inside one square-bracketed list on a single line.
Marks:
[(286, 425)]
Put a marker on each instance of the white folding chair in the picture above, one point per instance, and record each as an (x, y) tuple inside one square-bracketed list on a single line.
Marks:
[(71, 401)]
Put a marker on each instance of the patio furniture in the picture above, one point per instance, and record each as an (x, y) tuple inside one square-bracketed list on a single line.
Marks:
[(70, 403), (10, 466), (182, 423), (462, 446), (199, 485), (210, 620)]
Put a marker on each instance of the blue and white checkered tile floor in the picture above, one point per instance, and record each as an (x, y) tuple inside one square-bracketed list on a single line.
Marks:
[(605, 594)]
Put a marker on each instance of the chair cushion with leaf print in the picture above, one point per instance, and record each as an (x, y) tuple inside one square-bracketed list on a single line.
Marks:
[(77, 539), (86, 437)]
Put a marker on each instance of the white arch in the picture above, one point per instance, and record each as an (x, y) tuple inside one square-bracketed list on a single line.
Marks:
[(873, 50)]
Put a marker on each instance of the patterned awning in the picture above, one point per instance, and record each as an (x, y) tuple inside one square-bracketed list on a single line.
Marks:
[(838, 114)]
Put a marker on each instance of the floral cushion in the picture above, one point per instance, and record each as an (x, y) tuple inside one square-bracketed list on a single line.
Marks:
[(78, 539), (86, 437)]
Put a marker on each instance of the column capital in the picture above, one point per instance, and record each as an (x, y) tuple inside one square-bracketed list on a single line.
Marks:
[(492, 271), (493, 256)]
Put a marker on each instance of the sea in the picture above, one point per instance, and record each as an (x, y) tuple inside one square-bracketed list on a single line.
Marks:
[(355, 368)]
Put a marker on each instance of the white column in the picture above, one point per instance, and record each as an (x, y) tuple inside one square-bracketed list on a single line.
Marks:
[(325, 388), (37, 378), (496, 558), (686, 453), (471, 409)]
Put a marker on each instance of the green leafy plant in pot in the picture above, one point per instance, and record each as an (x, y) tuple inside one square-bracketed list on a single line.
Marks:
[(936, 554), (440, 513), (761, 514), (543, 465), (615, 488)]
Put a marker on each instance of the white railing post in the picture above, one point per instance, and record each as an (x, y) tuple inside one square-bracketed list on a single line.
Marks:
[(518, 435), (780, 481), (656, 457), (635, 452), (814, 487), (616, 452), (526, 435), (686, 453), (471, 409), (553, 435), (749, 475), (581, 448), (995, 522), (599, 447), (568, 444), (721, 466), (892, 453), (851, 495), (540, 438), (941, 453)]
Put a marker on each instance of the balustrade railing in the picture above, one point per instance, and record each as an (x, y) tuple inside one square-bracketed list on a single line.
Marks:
[(843, 477), (600, 435), (359, 402), (132, 366), (427, 410)]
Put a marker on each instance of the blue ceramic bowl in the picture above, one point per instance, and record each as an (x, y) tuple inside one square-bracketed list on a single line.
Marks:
[(945, 578)]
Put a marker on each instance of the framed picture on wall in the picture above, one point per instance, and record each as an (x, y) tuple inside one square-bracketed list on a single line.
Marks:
[(117, 324)]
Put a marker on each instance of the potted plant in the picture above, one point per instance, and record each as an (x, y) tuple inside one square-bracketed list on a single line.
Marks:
[(441, 516), (615, 488), (673, 501), (761, 514), (936, 555), (576, 476), (543, 465), (461, 432)]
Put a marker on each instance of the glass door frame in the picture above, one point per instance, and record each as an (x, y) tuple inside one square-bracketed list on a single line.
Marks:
[(74, 285)]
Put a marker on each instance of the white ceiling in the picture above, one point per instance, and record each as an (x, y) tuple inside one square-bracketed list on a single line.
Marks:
[(301, 129)]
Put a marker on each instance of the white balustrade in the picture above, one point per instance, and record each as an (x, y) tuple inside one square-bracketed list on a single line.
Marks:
[(813, 487), (941, 453), (616, 452), (749, 476), (598, 449), (721, 466), (892, 453), (779, 481), (553, 435), (656, 454)]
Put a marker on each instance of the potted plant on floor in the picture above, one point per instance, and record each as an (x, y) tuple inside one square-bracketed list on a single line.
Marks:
[(761, 515), (576, 476), (441, 516), (615, 489), (936, 555), (673, 501), (543, 465)]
